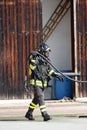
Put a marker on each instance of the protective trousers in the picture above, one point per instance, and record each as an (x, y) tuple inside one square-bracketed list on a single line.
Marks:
[(38, 99)]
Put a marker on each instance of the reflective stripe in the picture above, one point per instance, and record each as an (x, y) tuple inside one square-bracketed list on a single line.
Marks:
[(51, 72), (31, 57), (38, 83), (48, 49), (33, 61), (29, 71), (32, 105), (42, 108), (32, 67)]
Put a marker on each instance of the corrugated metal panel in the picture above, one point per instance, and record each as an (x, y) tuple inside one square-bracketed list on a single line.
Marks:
[(20, 32), (82, 45)]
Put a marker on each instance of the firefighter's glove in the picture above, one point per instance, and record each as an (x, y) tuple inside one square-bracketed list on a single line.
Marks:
[(27, 89), (58, 75), (60, 78), (26, 84)]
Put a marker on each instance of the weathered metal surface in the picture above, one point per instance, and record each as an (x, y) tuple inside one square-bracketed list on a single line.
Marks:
[(20, 29)]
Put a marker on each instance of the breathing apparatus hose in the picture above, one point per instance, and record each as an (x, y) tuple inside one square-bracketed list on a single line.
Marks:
[(58, 71)]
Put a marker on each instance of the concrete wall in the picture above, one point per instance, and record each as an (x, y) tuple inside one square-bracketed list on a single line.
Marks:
[(60, 39)]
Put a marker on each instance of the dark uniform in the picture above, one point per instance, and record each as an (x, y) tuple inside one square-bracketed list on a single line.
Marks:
[(40, 75)]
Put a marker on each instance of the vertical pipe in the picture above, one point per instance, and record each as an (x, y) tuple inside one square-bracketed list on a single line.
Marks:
[(75, 45)]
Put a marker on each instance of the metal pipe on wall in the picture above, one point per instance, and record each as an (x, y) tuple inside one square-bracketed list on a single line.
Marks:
[(75, 45)]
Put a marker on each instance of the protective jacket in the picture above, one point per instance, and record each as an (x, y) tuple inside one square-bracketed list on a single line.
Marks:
[(40, 71)]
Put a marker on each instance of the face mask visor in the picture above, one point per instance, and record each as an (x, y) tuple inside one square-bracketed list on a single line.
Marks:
[(46, 53)]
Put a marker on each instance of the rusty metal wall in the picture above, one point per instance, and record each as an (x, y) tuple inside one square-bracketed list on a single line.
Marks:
[(20, 33), (82, 45)]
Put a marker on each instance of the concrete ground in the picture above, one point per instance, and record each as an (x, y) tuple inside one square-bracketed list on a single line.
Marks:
[(63, 123), (16, 109), (65, 115), (59, 123)]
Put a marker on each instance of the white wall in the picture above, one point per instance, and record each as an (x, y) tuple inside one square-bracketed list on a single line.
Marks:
[(59, 41)]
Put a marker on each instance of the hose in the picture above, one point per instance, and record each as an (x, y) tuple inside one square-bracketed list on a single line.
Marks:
[(58, 71)]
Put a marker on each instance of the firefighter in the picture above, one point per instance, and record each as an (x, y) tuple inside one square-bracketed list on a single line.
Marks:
[(40, 75)]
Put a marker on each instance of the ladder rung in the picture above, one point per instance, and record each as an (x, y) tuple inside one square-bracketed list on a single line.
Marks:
[(56, 17)]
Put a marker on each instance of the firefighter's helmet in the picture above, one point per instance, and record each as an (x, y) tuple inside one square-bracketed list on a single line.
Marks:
[(44, 49)]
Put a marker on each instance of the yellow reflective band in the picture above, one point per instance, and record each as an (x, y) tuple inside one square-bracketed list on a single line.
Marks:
[(43, 110), (33, 61), (32, 67), (31, 57), (33, 104), (48, 49), (38, 83), (29, 71), (43, 106), (31, 107), (51, 72)]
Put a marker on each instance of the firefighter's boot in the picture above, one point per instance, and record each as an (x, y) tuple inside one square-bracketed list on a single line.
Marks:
[(46, 117), (29, 115)]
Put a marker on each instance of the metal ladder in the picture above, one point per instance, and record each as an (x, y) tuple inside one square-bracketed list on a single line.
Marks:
[(55, 18)]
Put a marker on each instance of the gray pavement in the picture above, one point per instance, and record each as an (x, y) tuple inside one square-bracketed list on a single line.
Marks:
[(58, 124), (65, 115), (16, 109)]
